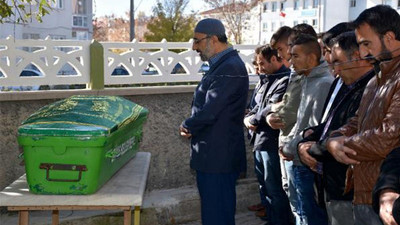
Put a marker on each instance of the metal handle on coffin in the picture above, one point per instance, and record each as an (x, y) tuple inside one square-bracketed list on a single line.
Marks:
[(70, 167)]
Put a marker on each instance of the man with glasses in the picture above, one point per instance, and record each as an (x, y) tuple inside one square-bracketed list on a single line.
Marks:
[(215, 126)]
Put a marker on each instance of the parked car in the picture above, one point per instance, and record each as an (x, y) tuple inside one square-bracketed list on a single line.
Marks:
[(120, 71), (24, 73), (150, 70), (204, 68)]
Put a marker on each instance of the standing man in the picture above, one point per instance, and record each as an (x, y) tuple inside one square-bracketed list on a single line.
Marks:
[(306, 55), (355, 73), (366, 139), (215, 127), (267, 165)]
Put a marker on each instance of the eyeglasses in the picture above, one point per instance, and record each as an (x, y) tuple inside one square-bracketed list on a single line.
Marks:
[(197, 41)]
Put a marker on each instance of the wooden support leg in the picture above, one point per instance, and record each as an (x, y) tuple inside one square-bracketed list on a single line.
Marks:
[(23, 217), (127, 217), (137, 215), (55, 217)]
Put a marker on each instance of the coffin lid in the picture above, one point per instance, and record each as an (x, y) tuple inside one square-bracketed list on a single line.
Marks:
[(83, 115)]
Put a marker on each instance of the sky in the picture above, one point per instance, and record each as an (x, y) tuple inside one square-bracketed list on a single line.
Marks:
[(119, 7)]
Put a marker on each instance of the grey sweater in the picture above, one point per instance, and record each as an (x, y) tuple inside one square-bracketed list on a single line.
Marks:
[(314, 90)]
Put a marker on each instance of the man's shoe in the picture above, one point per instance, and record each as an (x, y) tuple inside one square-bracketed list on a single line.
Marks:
[(257, 207), (261, 213)]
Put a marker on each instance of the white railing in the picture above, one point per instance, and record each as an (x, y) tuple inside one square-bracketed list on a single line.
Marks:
[(50, 57)]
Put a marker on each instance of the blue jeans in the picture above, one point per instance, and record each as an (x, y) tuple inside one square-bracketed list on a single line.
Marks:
[(291, 192), (308, 210), (261, 186), (218, 197), (268, 173)]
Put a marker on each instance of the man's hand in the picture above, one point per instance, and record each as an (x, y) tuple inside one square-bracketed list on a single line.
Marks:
[(305, 157), (386, 200), (247, 123), (275, 122), (184, 132), (340, 152), (284, 156), (308, 132)]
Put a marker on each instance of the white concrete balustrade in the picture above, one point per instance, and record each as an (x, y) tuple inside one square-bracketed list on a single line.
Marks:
[(142, 62)]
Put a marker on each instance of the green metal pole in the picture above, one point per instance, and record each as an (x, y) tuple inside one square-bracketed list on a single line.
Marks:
[(96, 66)]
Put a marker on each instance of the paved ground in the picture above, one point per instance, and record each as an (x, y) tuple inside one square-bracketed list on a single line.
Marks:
[(247, 218)]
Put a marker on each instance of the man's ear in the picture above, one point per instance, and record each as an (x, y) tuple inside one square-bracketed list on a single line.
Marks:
[(389, 37), (312, 58), (214, 39), (356, 55), (273, 59)]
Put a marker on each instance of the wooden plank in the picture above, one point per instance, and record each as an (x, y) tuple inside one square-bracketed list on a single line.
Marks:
[(23, 217), (66, 207), (55, 217), (137, 215), (127, 217)]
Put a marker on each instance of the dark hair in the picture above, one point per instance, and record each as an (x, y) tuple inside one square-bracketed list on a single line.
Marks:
[(304, 28), (281, 34), (222, 38), (320, 35), (258, 49), (310, 43), (381, 18), (347, 42), (335, 31), (268, 52)]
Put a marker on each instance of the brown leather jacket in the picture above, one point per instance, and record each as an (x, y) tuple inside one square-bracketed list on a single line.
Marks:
[(375, 130)]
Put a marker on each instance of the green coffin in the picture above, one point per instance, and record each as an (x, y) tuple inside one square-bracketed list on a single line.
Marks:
[(76, 145)]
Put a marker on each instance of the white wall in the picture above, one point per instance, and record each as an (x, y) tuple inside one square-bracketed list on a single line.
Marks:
[(58, 22)]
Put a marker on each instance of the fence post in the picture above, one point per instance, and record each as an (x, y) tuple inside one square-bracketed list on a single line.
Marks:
[(96, 66)]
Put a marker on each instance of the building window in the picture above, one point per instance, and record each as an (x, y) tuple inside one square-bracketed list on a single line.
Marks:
[(305, 21), (398, 5), (79, 21), (353, 3), (265, 7), (314, 23), (273, 26), (30, 36), (282, 6), (57, 37), (315, 4), (273, 6), (306, 3), (265, 27), (387, 2), (296, 4), (79, 35), (79, 7), (295, 22), (282, 24)]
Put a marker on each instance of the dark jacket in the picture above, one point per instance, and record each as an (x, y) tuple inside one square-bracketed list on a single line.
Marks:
[(345, 108), (275, 86), (216, 123), (389, 178), (256, 99), (375, 130)]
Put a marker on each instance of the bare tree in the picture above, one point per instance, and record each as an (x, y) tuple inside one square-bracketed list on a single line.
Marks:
[(234, 13)]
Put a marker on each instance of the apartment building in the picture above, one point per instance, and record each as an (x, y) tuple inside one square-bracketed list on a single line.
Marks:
[(266, 16), (69, 19)]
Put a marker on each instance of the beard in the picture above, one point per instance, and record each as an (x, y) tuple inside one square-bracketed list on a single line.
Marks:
[(205, 55), (385, 54)]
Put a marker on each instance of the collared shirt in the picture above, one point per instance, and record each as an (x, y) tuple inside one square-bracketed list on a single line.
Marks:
[(331, 99), (219, 55)]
